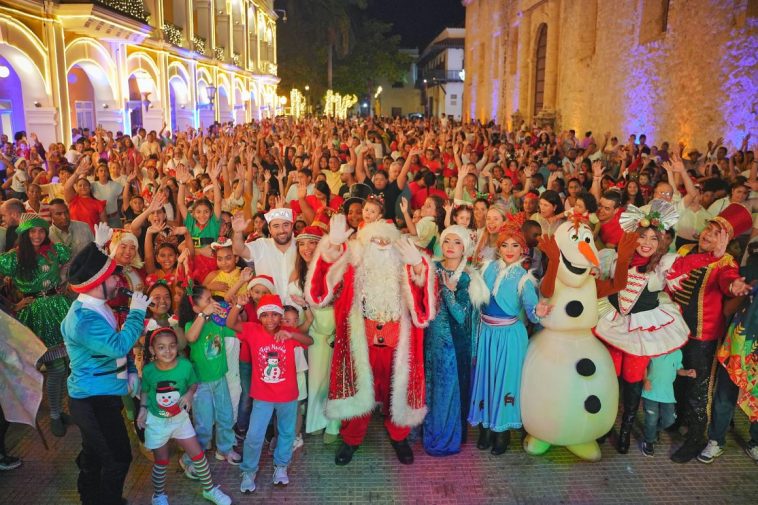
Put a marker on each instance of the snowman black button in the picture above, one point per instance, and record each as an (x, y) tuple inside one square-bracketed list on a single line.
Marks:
[(592, 404), (585, 367), (574, 308)]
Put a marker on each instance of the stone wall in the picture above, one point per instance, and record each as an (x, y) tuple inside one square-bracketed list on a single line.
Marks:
[(622, 66)]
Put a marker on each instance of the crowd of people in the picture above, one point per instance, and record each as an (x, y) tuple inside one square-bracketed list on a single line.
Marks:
[(255, 284)]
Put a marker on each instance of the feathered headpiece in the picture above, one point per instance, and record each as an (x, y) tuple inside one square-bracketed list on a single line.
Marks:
[(661, 216)]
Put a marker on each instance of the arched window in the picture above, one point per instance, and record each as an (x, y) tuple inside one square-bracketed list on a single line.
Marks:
[(539, 68)]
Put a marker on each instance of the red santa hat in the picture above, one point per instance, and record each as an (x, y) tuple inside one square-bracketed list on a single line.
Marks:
[(264, 280), (270, 303), (735, 219), (310, 233)]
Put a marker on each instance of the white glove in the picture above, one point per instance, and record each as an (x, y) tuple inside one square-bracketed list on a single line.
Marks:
[(103, 234), (134, 384), (408, 252), (140, 302), (339, 231)]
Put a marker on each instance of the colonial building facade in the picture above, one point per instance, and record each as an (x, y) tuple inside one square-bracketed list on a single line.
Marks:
[(440, 74), (676, 70), (121, 64)]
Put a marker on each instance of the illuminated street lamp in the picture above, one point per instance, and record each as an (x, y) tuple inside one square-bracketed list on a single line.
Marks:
[(144, 82), (211, 91)]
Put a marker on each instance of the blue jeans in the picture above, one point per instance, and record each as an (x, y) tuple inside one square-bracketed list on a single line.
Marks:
[(723, 406), (658, 416), (213, 405), (286, 416), (246, 403)]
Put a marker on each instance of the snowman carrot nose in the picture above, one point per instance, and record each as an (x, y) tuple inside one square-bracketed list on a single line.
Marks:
[(588, 253)]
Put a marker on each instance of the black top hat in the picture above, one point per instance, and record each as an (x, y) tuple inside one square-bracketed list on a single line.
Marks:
[(358, 193), (90, 268)]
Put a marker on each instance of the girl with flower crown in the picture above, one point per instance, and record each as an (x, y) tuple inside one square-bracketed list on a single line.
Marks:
[(640, 322), (502, 340)]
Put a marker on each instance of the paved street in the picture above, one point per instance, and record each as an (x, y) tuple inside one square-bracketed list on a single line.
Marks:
[(375, 476)]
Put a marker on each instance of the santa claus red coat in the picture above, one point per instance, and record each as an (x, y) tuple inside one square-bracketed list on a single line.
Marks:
[(351, 385)]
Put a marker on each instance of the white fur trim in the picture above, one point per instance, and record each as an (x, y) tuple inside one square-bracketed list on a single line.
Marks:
[(478, 291), (381, 229), (529, 276), (270, 308), (402, 413), (418, 280), (364, 400), (333, 277)]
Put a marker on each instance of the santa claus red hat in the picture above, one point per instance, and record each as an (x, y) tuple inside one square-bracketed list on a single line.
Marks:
[(735, 219), (264, 280), (270, 303)]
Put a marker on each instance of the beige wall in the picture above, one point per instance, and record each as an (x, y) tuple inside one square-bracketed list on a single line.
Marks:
[(611, 67)]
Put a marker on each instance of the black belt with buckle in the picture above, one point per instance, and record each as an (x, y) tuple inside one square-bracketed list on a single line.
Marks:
[(202, 241)]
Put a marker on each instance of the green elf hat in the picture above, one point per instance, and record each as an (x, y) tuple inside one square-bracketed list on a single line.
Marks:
[(30, 220)]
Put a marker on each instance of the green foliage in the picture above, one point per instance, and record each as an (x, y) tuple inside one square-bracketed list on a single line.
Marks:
[(364, 49)]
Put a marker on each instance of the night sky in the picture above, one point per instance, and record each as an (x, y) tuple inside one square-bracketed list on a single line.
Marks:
[(419, 21)]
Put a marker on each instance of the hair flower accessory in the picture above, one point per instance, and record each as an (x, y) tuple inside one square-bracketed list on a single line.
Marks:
[(661, 216)]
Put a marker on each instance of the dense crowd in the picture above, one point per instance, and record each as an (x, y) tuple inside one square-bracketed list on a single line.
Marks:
[(296, 273)]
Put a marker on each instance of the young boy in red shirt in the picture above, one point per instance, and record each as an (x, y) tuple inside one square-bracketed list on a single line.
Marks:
[(274, 384)]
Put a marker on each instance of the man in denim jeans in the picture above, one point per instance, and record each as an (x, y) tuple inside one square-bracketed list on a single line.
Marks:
[(658, 400)]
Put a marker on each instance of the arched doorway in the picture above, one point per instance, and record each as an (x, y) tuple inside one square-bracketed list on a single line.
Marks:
[(224, 105), (141, 101), (539, 68), (181, 117), (12, 118)]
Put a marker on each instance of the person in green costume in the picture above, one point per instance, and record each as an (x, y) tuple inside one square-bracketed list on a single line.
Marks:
[(34, 266)]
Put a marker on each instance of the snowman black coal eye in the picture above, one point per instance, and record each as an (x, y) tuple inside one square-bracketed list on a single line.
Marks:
[(575, 237)]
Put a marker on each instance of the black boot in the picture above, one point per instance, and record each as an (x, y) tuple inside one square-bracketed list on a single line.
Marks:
[(345, 454), (500, 442), (403, 451), (485, 438), (691, 447), (632, 394)]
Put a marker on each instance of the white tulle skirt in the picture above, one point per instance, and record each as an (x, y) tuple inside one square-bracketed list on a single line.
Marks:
[(649, 333)]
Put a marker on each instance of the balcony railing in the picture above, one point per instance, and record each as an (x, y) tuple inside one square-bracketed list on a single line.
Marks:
[(133, 8), (199, 45), (438, 76), (173, 34)]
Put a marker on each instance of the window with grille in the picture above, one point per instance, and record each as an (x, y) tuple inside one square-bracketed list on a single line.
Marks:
[(539, 69)]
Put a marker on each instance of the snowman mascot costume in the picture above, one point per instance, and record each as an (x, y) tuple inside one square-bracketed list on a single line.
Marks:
[(569, 391)]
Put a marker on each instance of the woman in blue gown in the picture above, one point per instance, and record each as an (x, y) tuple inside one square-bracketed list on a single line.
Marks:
[(501, 348), (448, 344)]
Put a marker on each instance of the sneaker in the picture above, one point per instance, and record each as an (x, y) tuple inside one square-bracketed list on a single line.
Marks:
[(189, 468), (648, 449), (248, 482), (9, 462), (215, 495), (298, 443), (711, 452), (280, 476), (231, 457), (752, 451), (160, 499)]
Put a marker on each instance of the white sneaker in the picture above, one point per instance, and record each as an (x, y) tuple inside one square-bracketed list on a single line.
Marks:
[(248, 482), (711, 452), (215, 495), (298, 443), (160, 499), (752, 451), (189, 468), (231, 457), (280, 476)]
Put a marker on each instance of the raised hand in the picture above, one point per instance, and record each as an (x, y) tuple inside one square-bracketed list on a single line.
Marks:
[(547, 244), (339, 231), (408, 252), (449, 281), (103, 234), (239, 223)]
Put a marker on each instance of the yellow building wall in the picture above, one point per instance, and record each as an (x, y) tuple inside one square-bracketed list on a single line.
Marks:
[(612, 67)]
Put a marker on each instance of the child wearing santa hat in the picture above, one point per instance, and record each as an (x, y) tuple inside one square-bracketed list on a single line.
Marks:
[(274, 388)]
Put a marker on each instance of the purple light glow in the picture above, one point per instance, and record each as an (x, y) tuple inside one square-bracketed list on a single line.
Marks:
[(740, 88)]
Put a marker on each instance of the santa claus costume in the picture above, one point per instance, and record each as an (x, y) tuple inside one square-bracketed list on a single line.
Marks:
[(383, 292)]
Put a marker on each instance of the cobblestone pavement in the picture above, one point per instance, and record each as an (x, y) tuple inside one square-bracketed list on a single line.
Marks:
[(375, 476)]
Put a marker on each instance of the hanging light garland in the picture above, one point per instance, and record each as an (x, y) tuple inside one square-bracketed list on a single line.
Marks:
[(133, 8)]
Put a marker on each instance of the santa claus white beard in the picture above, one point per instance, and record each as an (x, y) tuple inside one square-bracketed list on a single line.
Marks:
[(378, 282)]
